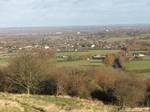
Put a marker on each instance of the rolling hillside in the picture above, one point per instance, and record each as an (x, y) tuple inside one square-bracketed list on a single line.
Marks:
[(24, 103), (37, 103)]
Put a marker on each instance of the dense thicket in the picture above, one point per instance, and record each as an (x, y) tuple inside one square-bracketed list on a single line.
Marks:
[(34, 72)]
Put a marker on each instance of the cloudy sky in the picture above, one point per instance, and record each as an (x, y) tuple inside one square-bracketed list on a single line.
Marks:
[(16, 13)]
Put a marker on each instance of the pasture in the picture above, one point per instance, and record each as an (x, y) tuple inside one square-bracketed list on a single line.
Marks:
[(138, 65), (5, 58), (141, 67), (79, 63), (88, 53)]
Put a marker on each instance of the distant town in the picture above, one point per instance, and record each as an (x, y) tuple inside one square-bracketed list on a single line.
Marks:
[(72, 39)]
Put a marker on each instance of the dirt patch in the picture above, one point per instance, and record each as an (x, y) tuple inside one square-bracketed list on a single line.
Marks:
[(136, 110), (11, 104), (80, 110), (52, 108)]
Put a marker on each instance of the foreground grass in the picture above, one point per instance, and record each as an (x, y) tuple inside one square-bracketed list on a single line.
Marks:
[(36, 103), (145, 75)]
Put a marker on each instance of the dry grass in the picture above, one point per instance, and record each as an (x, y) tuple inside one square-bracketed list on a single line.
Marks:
[(35, 103), (24, 103)]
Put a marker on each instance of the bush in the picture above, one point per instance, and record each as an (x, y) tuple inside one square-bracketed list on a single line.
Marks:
[(33, 72), (29, 68), (117, 87), (147, 95), (129, 91), (73, 82), (5, 84), (103, 81), (47, 87)]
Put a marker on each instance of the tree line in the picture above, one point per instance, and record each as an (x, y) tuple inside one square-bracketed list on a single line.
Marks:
[(35, 72)]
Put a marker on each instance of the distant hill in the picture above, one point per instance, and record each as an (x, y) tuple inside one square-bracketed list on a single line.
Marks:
[(39, 30)]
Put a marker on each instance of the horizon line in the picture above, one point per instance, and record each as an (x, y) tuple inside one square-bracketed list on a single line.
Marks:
[(59, 26)]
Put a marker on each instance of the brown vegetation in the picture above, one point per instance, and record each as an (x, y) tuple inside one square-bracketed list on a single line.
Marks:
[(34, 72)]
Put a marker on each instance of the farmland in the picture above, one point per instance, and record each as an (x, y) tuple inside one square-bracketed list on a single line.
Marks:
[(76, 70), (138, 65), (132, 66), (84, 56), (89, 52)]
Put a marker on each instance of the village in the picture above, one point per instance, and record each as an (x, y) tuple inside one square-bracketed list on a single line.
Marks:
[(134, 45)]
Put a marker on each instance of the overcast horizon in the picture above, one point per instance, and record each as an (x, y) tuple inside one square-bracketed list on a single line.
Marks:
[(36, 13)]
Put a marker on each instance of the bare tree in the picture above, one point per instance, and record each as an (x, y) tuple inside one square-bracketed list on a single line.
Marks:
[(129, 92), (29, 67)]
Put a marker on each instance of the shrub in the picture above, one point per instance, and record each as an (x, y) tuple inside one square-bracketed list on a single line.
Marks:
[(129, 91), (5, 84), (33, 72), (47, 87), (104, 80), (147, 95), (29, 68), (73, 82)]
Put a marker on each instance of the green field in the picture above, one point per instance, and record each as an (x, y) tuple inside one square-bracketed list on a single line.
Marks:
[(83, 63), (123, 38), (84, 55), (138, 65), (118, 39), (141, 68), (88, 53), (112, 38), (5, 59)]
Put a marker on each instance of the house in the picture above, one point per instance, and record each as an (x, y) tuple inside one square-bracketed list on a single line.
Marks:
[(46, 47), (99, 57), (93, 46)]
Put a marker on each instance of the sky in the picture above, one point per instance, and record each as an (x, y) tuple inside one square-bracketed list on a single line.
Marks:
[(21, 13)]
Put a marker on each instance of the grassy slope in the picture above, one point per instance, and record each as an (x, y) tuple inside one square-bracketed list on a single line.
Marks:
[(35, 103)]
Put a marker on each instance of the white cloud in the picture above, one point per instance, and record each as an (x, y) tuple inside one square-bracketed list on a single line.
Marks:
[(70, 12)]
